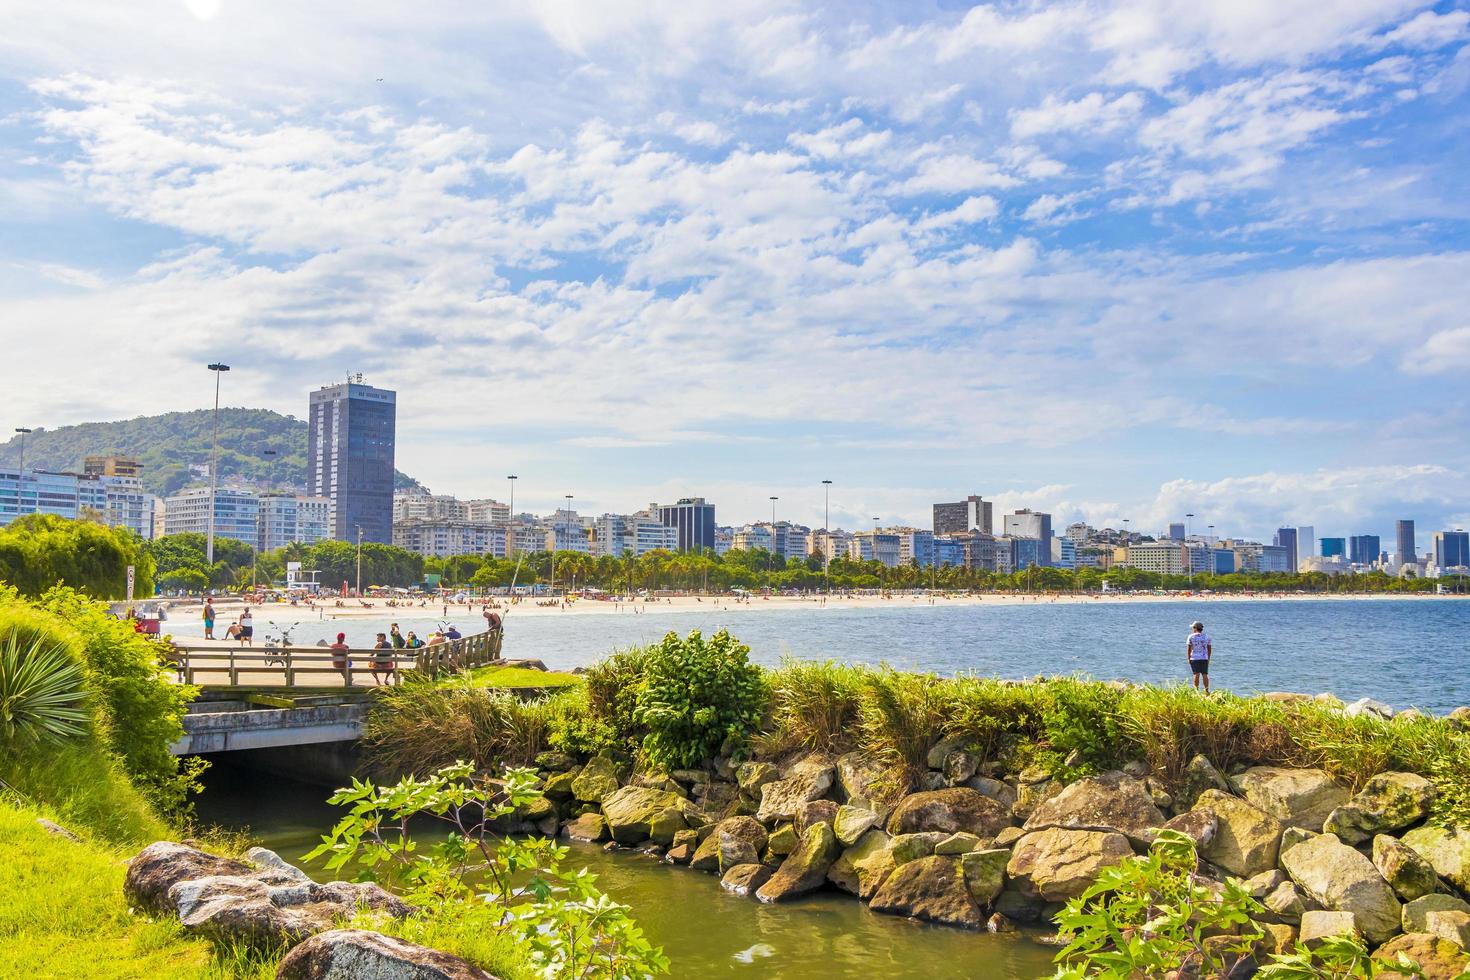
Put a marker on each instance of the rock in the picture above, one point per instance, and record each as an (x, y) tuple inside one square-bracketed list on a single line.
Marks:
[(817, 811), (733, 839), (1002, 793), (252, 911), (808, 780), (1278, 937), (864, 866), (1199, 776), (343, 954), (268, 860), (940, 752), (852, 822), (1447, 851), (1029, 796), (598, 779), (985, 874), (1459, 718), (57, 830), (1407, 873), (805, 868), (745, 879), (1453, 925), (589, 827), (1343, 880), (783, 840), (1367, 707), (960, 843), (657, 780), (1109, 802), (537, 815), (931, 781), (1435, 957), (559, 786), (1297, 797), (1389, 801), (932, 889), (910, 847), (1292, 836), (690, 777), (1265, 883), (1057, 864), (1320, 925), (1008, 836), (959, 767), (679, 853), (867, 782), (1416, 912), (751, 776), (636, 813), (163, 864), (1019, 906), (1246, 838), (998, 924), (552, 761), (1289, 902), (958, 808), (1200, 826), (1161, 797)]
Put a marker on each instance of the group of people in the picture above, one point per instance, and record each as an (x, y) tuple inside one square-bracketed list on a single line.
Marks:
[(394, 639)]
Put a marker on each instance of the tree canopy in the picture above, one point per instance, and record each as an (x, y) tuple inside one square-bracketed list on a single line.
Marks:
[(39, 551)]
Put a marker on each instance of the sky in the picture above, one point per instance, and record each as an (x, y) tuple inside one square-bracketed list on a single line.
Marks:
[(1110, 260)]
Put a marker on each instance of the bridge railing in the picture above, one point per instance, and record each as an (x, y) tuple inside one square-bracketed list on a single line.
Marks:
[(218, 666)]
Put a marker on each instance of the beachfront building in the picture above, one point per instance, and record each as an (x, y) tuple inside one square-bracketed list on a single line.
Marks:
[(524, 535), (1223, 561), (117, 501), (829, 544), (633, 534), (880, 546), (1286, 538), (949, 551), (1159, 557), (752, 537), (915, 546), (694, 520), (1451, 550), (724, 540), (236, 513), (1063, 553), (963, 516), (1030, 524), (350, 441), (566, 531), (284, 519), (444, 538)]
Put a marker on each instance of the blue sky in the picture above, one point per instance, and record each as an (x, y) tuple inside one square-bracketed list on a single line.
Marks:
[(1109, 259)]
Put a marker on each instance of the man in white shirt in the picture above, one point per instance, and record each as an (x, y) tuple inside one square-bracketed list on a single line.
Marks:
[(1198, 648)]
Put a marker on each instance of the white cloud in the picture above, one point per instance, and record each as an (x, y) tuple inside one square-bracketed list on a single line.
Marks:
[(973, 211), (1094, 113), (1430, 30), (1444, 351), (954, 173)]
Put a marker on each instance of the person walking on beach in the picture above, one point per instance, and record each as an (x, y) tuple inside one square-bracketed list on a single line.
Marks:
[(1199, 648), (208, 618)]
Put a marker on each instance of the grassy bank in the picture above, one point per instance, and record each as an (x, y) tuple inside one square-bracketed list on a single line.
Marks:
[(517, 678)]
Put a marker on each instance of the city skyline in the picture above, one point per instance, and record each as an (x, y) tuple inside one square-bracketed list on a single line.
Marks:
[(1109, 260)]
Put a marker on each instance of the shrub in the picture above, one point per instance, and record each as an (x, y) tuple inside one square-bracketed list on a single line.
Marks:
[(42, 696), (902, 716), (814, 705), (696, 696), (573, 728), (995, 716), (419, 727), (1169, 726), (612, 696), (1081, 717)]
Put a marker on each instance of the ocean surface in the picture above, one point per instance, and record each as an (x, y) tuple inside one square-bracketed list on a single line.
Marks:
[(1410, 652)]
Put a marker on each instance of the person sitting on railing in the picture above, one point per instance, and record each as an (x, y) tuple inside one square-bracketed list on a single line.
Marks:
[(385, 664), (452, 633), (339, 652), (413, 642)]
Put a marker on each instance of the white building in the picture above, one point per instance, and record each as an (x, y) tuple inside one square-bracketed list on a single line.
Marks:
[(879, 546), (487, 511), (292, 519), (830, 544), (566, 531), (633, 534), (236, 513), (444, 539), (1160, 557), (753, 536), (411, 505)]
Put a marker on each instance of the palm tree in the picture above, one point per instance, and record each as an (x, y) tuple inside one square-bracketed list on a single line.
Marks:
[(42, 695)]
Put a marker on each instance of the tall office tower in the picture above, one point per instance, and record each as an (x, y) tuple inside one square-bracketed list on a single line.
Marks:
[(1306, 541), (350, 440), (1286, 538), (1363, 549), (1026, 523), (971, 514), (1334, 547), (1176, 532), (1406, 553), (693, 517), (1452, 549)]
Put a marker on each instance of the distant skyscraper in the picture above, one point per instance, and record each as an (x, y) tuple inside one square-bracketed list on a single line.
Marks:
[(350, 441), (1030, 524), (1452, 549), (1306, 542), (694, 518), (1363, 549), (971, 514), (1176, 532), (1334, 547), (1286, 538), (1406, 547)]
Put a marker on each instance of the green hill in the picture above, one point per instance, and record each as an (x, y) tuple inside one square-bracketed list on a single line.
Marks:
[(168, 445)]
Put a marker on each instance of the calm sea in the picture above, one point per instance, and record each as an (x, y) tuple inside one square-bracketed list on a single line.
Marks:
[(1403, 652)]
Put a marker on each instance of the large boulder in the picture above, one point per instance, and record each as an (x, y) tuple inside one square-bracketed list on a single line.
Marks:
[(805, 869), (985, 873), (1001, 792), (751, 776), (635, 814), (958, 808), (932, 889), (1200, 826), (1199, 775), (1297, 797), (1322, 924), (745, 879), (352, 954), (1343, 880), (1110, 801), (731, 838), (1436, 958), (911, 847), (249, 911), (598, 779), (1416, 913), (1389, 801), (863, 867), (817, 811), (852, 822), (807, 780), (1057, 864), (1246, 838), (161, 865), (1447, 851), (589, 828), (1407, 873), (867, 781)]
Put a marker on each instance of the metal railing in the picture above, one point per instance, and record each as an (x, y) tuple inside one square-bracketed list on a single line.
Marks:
[(204, 666)]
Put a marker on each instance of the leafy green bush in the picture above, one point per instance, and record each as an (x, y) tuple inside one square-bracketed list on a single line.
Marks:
[(39, 550), (484, 882), (1081, 717), (696, 695), (612, 696), (902, 716), (573, 728)]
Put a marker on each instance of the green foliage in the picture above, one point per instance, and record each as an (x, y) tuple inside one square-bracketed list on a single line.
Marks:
[(1148, 916), (1337, 958), (563, 923), (696, 696), (997, 718), (814, 705), (42, 694), (573, 727), (902, 716), (419, 726), (181, 564), (1082, 717), (612, 697), (38, 551)]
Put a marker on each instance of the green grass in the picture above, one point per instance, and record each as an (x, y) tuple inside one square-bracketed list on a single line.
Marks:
[(85, 787), (518, 678), (63, 916)]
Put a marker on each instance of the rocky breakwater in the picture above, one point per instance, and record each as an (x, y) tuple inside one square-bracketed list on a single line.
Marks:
[(266, 904), (979, 848)]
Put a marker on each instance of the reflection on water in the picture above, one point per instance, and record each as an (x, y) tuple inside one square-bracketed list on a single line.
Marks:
[(703, 930)]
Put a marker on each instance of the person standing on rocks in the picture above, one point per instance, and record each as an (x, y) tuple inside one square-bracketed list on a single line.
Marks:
[(1199, 649)]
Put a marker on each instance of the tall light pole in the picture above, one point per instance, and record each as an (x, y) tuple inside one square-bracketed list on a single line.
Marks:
[(1187, 556), (20, 480), (1211, 529), (772, 553), (218, 370), (827, 527), (512, 478), (359, 559)]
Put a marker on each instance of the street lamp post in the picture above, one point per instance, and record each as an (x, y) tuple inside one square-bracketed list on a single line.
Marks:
[(771, 554), (359, 559), (1211, 539), (827, 527), (1187, 556), (218, 370), (512, 478), (20, 479), (569, 537)]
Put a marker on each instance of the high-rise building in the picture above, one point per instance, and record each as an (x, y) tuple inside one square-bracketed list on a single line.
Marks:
[(1286, 538), (124, 466), (1406, 554), (1176, 532), (1306, 542), (693, 517), (1363, 549), (350, 441), (1027, 523), (963, 516), (236, 513), (291, 519), (1452, 549), (1063, 552), (880, 546), (633, 534), (1333, 547)]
